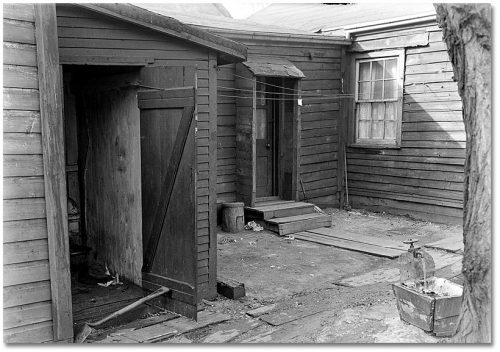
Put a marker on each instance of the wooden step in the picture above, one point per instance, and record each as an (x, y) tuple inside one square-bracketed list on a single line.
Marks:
[(280, 210), (293, 224)]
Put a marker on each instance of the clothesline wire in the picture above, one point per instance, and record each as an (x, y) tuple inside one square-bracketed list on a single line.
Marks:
[(278, 99), (307, 95), (266, 84)]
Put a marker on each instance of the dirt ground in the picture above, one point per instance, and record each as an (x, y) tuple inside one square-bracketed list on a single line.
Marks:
[(302, 278), (311, 293)]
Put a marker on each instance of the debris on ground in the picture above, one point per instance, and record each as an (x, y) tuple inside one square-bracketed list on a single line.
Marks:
[(252, 225), (226, 239)]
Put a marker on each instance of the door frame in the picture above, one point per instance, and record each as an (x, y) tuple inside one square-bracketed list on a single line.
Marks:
[(294, 143)]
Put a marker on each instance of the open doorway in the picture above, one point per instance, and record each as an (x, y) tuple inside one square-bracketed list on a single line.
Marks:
[(130, 154), (275, 137), (103, 169)]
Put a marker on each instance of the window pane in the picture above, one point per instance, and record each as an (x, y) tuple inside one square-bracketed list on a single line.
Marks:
[(390, 130), (364, 91), (390, 110), (377, 89), (364, 71), (261, 124), (377, 70), (364, 129), (378, 129), (390, 89), (391, 68), (364, 111), (378, 111)]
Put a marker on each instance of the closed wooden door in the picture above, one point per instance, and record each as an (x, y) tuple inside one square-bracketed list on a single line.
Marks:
[(168, 166), (265, 150)]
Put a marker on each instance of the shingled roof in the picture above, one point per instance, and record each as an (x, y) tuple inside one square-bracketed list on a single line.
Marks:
[(315, 17)]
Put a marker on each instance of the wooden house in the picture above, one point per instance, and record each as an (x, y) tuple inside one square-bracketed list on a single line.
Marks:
[(110, 115), (401, 126), (277, 120)]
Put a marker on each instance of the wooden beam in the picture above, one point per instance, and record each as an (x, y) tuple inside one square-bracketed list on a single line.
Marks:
[(212, 197), (50, 87)]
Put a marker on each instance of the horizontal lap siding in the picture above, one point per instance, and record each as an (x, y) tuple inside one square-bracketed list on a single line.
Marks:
[(424, 177), (319, 121), (318, 154), (27, 297), (84, 33), (226, 135)]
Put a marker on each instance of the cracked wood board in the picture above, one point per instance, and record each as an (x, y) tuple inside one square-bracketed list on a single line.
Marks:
[(452, 244), (347, 244), (441, 259), (239, 328), (254, 313), (280, 318), (205, 318), (361, 238), (151, 333)]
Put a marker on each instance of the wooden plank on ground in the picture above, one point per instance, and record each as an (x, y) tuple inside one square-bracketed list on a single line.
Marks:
[(238, 328), (254, 313), (441, 260), (452, 244), (357, 237), (350, 245), (287, 316), (149, 334), (205, 318)]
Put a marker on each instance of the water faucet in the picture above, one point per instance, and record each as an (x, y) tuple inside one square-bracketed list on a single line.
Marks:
[(417, 253)]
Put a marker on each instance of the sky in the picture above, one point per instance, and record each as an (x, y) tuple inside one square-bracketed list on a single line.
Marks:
[(242, 9)]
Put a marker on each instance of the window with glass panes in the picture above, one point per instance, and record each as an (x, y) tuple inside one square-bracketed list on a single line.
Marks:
[(377, 100)]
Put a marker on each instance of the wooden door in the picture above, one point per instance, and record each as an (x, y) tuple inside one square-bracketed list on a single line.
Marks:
[(168, 166), (265, 149)]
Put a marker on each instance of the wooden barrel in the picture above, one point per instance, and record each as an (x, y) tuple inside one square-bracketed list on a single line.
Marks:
[(232, 217)]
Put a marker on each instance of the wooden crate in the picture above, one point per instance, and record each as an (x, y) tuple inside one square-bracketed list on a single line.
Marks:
[(430, 313)]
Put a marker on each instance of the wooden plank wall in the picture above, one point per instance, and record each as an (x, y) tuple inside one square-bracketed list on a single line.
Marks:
[(85, 33), (27, 306), (245, 140), (318, 155), (425, 177)]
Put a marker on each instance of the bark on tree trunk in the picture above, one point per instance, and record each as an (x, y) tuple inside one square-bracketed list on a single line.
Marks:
[(467, 33)]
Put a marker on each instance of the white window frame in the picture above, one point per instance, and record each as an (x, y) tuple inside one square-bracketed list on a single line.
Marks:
[(356, 59)]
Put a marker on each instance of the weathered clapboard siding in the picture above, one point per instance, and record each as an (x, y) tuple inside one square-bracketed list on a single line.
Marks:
[(319, 137), (27, 295), (425, 177), (83, 33), (226, 133)]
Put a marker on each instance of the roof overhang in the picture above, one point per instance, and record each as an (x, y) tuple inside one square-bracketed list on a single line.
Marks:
[(288, 38), (272, 67), (383, 24), (228, 50)]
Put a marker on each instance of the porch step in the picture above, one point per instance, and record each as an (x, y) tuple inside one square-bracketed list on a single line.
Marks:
[(281, 209), (293, 224)]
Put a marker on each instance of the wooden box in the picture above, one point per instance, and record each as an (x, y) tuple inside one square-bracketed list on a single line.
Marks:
[(432, 313)]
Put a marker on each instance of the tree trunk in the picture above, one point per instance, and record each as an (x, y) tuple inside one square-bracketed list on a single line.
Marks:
[(467, 33)]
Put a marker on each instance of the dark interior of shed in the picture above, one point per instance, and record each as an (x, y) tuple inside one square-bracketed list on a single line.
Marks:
[(102, 142)]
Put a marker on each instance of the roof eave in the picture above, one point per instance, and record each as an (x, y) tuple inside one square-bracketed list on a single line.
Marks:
[(283, 37), (230, 50), (383, 24)]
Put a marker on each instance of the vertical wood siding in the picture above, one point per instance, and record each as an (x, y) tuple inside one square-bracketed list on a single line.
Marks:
[(27, 296), (318, 154), (425, 177), (84, 33)]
